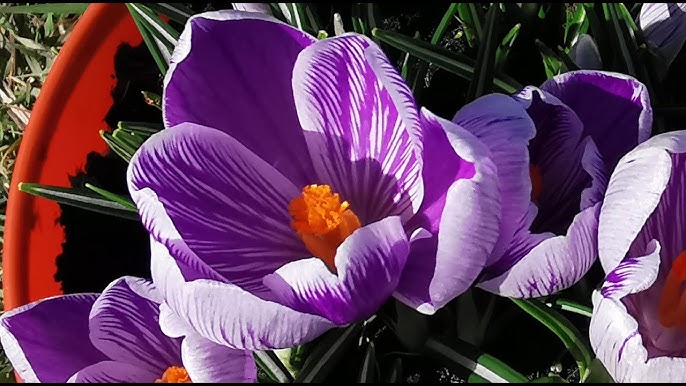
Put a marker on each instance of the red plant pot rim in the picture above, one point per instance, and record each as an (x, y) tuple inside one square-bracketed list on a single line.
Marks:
[(62, 130)]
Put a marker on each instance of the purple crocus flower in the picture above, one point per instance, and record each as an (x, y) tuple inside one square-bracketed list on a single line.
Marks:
[(296, 179), (664, 29), (638, 327), (114, 337), (585, 121)]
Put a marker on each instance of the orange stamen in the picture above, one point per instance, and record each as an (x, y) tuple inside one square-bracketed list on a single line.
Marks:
[(174, 374), (322, 221), (671, 310), (536, 182)]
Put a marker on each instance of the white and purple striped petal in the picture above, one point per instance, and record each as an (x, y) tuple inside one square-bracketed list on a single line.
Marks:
[(368, 262), (231, 71), (361, 126), (36, 337), (226, 314), (227, 206), (505, 128), (614, 109), (457, 226), (664, 29), (640, 236), (124, 325)]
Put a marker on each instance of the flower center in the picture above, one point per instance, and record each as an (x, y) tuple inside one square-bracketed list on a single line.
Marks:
[(322, 221), (174, 374), (536, 182), (672, 307)]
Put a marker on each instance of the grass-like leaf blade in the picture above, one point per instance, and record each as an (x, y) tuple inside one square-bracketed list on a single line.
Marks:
[(123, 201), (482, 82), (482, 367), (80, 199), (270, 363), (455, 63), (368, 372), (570, 336), (331, 349), (64, 8), (175, 11)]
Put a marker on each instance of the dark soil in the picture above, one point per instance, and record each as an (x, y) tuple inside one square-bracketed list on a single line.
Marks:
[(99, 248)]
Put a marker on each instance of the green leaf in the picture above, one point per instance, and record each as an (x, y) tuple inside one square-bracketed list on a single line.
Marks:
[(175, 11), (481, 366), (64, 8), (570, 306), (619, 37), (445, 21), (470, 15), (597, 374), (141, 128), (457, 64), (330, 350), (549, 379), (80, 199), (395, 374), (359, 25), (482, 82), (123, 201), (576, 20), (130, 141), (159, 37), (296, 17), (158, 27), (570, 336), (505, 46), (368, 373), (270, 363), (626, 16), (118, 148), (297, 355), (551, 63)]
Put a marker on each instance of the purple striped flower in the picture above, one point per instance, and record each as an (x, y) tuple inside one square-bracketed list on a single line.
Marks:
[(114, 337), (585, 121), (638, 328), (664, 29), (297, 184)]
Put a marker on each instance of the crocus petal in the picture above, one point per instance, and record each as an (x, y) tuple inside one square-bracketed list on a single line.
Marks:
[(557, 151), (114, 372), (443, 265), (633, 274), (47, 341), (242, 62), (584, 53), (208, 362), (170, 323), (228, 315), (614, 109), (253, 7), (633, 194), (199, 187), (547, 266), (361, 126), (368, 265), (504, 126), (664, 28), (615, 334), (124, 324)]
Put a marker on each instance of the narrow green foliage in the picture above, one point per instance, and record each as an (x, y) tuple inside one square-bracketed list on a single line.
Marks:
[(80, 199)]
